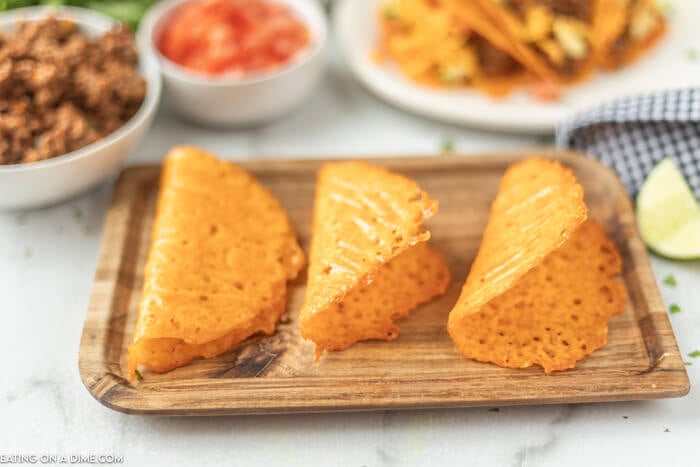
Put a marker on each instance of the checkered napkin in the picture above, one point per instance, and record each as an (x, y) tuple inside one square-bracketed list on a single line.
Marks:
[(633, 134)]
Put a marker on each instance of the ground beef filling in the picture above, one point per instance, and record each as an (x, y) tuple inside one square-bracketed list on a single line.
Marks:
[(493, 61), (61, 90)]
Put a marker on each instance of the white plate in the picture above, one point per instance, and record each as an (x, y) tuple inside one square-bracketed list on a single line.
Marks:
[(667, 66)]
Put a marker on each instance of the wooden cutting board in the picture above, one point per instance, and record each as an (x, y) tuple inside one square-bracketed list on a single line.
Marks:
[(420, 369)]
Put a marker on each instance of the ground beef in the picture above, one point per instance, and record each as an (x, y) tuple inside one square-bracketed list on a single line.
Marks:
[(493, 61), (61, 90), (579, 9)]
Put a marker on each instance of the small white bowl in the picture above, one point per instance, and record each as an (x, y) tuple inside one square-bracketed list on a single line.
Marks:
[(249, 100), (49, 181)]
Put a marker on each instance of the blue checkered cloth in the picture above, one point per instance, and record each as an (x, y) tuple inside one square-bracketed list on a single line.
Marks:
[(633, 134)]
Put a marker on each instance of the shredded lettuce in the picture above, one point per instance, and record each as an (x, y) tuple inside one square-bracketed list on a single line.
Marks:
[(127, 11)]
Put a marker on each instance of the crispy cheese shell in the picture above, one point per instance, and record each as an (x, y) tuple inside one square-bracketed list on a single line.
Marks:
[(473, 15), (538, 206), (467, 16), (541, 288), (498, 87), (222, 251), (506, 20), (553, 316), (610, 24), (370, 311), (369, 265)]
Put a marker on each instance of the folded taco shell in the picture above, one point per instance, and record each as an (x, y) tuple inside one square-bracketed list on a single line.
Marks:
[(542, 287), (370, 263), (222, 251)]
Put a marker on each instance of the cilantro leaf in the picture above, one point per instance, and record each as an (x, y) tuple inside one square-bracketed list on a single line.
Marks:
[(673, 309), (447, 146), (390, 12), (670, 280), (667, 8)]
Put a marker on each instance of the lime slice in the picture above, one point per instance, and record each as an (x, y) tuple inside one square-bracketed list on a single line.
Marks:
[(668, 214)]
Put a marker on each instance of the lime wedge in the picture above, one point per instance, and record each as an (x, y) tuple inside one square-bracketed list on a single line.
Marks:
[(668, 214)]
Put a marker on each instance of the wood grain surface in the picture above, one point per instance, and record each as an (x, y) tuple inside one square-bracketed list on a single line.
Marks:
[(420, 369)]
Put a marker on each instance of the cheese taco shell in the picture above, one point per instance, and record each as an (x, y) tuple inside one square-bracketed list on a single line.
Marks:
[(222, 251), (542, 286), (370, 263), (625, 29), (554, 40), (501, 69), (449, 43)]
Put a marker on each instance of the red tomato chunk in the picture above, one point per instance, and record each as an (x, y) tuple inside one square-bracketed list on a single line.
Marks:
[(232, 36)]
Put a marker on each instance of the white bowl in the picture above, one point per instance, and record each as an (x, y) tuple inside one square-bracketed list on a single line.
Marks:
[(225, 101), (49, 181)]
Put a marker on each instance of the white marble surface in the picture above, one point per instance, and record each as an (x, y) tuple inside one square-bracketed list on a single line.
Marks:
[(47, 261)]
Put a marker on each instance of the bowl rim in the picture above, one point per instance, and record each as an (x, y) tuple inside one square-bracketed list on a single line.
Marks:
[(149, 71), (309, 12)]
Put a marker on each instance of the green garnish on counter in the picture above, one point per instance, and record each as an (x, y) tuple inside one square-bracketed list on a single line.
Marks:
[(447, 146), (673, 309), (694, 354), (670, 280), (139, 377), (692, 55)]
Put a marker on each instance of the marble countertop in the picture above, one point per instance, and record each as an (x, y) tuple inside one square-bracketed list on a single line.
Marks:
[(47, 262)]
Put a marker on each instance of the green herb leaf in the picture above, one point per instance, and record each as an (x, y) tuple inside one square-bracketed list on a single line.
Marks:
[(666, 8), (495, 409), (692, 55), (625, 417), (670, 280), (138, 375), (688, 363), (667, 430), (447, 146), (694, 354), (390, 12), (673, 309)]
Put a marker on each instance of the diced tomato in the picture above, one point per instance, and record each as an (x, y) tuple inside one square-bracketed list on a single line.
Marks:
[(232, 36), (545, 91)]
